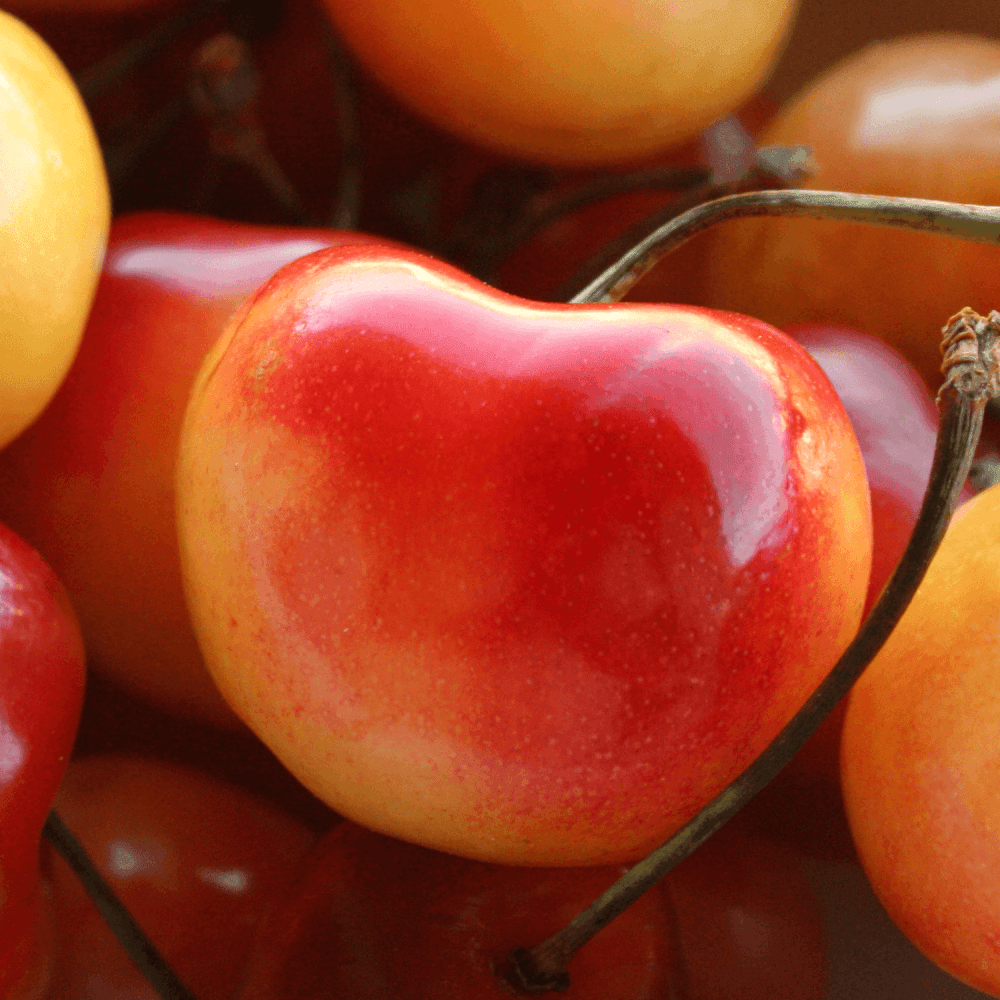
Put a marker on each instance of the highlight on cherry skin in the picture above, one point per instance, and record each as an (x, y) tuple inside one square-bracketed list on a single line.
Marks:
[(886, 120), (91, 482), (196, 861), (480, 571), (41, 694)]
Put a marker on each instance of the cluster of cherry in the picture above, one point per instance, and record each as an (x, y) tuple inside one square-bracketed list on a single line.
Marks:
[(517, 580)]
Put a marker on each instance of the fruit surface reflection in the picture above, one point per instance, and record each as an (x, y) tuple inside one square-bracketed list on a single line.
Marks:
[(553, 575), (916, 117)]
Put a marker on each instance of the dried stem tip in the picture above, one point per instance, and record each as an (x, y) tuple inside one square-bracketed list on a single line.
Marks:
[(970, 366)]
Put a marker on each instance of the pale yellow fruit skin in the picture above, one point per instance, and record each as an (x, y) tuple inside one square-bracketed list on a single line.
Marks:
[(54, 216), (568, 82)]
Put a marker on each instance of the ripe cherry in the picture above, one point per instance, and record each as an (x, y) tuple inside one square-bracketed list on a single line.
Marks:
[(41, 692)]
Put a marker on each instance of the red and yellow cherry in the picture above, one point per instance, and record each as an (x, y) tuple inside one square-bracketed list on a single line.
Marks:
[(913, 117), (196, 861), (374, 918), (53, 223), (524, 582), (574, 82), (41, 691), (91, 483), (920, 757)]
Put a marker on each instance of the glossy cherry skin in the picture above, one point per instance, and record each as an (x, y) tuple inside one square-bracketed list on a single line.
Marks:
[(375, 918), (41, 692), (913, 116), (920, 760), (529, 583), (91, 483), (196, 861)]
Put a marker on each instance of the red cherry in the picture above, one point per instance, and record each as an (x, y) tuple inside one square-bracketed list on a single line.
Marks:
[(372, 917), (526, 582), (41, 692), (748, 924), (895, 421), (197, 863), (91, 483), (375, 919)]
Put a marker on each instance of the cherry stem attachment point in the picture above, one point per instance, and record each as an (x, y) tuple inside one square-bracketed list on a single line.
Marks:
[(141, 950), (224, 87), (972, 376)]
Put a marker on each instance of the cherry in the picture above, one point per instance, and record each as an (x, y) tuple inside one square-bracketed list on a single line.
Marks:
[(372, 917), (53, 224), (551, 574), (41, 691), (920, 757), (91, 484), (567, 82), (196, 861)]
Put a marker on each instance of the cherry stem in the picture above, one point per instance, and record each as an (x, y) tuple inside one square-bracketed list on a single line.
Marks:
[(97, 79), (979, 223), (972, 376), (348, 202), (224, 87), (752, 168), (141, 950)]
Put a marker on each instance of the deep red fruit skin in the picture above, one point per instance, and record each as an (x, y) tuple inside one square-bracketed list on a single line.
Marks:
[(41, 694), (90, 484), (747, 922), (373, 918), (529, 582), (196, 861)]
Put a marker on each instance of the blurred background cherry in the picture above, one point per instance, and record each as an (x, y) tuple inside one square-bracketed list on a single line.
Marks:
[(41, 692), (91, 483), (912, 116), (196, 862)]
